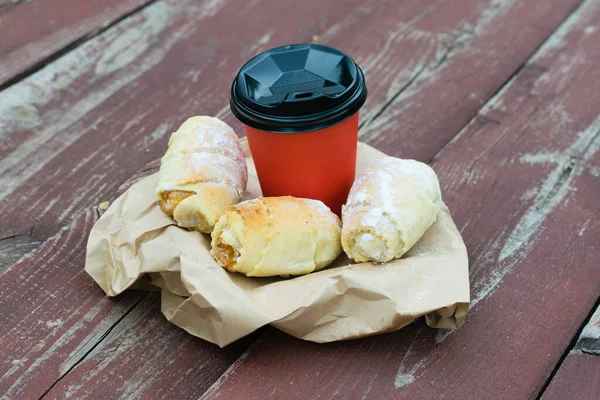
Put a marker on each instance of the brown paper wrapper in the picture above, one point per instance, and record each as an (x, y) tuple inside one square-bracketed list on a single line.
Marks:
[(135, 245)]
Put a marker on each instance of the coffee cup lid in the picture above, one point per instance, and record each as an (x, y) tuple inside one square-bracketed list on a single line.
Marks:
[(298, 88)]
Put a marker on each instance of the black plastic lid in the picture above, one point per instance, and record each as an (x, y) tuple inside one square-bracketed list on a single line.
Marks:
[(298, 88)]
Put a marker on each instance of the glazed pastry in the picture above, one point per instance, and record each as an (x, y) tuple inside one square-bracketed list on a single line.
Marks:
[(272, 236), (389, 208), (202, 173)]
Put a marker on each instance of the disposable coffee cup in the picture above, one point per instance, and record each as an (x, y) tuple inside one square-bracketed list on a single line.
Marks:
[(299, 105)]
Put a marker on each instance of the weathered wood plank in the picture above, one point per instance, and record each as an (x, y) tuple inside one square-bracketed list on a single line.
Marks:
[(58, 23), (589, 340), (522, 181), (93, 147), (93, 117), (56, 321), (417, 119), (579, 375), (46, 320), (155, 359), (84, 357), (577, 379), (13, 247), (8, 5)]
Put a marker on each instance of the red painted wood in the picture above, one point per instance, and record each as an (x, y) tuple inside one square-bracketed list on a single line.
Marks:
[(94, 117), (90, 134), (32, 31), (46, 318), (522, 182), (75, 312), (475, 61), (13, 248), (53, 314), (579, 375), (8, 5), (147, 357), (577, 379)]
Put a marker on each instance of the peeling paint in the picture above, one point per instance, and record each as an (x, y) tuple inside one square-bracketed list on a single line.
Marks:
[(264, 40), (65, 71), (127, 46), (54, 323), (406, 374), (592, 329), (573, 23), (554, 189), (595, 171)]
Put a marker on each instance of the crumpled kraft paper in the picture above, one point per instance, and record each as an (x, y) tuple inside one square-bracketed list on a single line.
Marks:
[(135, 245)]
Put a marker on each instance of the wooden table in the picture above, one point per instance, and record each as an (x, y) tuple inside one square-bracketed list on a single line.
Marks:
[(501, 97)]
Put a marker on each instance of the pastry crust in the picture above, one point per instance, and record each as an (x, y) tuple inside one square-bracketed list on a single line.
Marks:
[(202, 173), (271, 236), (389, 208)]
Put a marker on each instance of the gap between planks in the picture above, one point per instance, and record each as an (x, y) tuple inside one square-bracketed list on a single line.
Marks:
[(573, 347), (39, 64), (565, 173), (95, 345), (381, 111)]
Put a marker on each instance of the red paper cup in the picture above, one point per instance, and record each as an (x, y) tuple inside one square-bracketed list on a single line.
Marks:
[(299, 106), (317, 165)]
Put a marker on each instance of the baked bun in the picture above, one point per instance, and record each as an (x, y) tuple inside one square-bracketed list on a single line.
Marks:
[(389, 208), (202, 173), (271, 236)]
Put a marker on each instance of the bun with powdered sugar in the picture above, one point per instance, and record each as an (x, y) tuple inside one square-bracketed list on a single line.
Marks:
[(390, 206), (202, 173)]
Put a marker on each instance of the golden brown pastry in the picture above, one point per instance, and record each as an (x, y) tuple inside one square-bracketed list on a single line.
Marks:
[(389, 208), (272, 236), (202, 173)]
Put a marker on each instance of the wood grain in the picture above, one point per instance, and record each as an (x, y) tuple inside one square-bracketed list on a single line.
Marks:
[(578, 379), (147, 357), (93, 117), (61, 324), (422, 112), (579, 375), (80, 352), (13, 247), (8, 5), (589, 340), (58, 23), (97, 114), (521, 180), (46, 323)]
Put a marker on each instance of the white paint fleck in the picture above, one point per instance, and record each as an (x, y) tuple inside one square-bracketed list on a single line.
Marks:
[(442, 334), (595, 171), (406, 374), (404, 379), (223, 112), (155, 136), (54, 323), (529, 194), (542, 158), (592, 329), (264, 40), (129, 45), (16, 364), (573, 23), (589, 29), (550, 195)]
